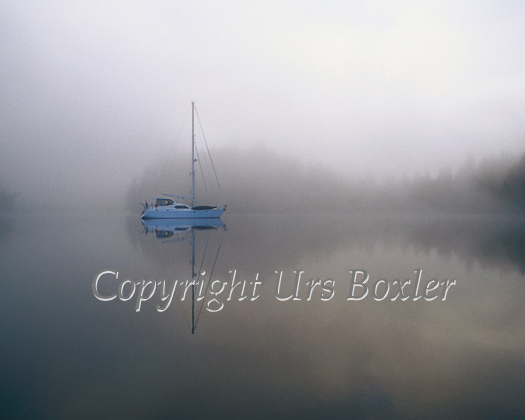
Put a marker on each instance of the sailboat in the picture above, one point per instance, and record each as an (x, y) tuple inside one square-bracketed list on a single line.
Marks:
[(167, 208)]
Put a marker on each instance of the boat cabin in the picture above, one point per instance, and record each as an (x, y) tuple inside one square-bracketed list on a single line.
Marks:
[(169, 202), (164, 202)]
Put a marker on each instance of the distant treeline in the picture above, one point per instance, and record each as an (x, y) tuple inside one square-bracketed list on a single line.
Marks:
[(263, 181), (511, 188)]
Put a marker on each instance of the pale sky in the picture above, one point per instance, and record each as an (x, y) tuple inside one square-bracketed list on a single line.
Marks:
[(92, 91)]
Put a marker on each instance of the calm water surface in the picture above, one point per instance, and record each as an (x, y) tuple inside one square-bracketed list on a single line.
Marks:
[(67, 354)]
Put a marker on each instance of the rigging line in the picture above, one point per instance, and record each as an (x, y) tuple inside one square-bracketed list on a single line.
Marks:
[(206, 159), (177, 136), (211, 274), (205, 167), (202, 173), (200, 271), (166, 269), (202, 261), (179, 303), (206, 261), (211, 160)]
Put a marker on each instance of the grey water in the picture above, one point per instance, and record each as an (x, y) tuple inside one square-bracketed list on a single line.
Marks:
[(293, 339)]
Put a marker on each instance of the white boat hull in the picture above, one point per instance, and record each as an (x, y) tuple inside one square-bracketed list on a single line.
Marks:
[(172, 213)]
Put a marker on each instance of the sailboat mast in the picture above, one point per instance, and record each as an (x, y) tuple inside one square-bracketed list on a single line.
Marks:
[(193, 154), (193, 204), (192, 281)]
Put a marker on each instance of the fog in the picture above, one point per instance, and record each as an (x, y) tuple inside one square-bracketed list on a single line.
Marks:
[(261, 181), (93, 92)]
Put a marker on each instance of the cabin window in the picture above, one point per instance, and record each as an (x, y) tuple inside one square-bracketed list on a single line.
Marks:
[(164, 202)]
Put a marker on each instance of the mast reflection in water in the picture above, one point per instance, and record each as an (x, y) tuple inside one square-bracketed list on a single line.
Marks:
[(179, 230)]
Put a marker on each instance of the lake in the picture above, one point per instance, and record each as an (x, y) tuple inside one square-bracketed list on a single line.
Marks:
[(306, 317)]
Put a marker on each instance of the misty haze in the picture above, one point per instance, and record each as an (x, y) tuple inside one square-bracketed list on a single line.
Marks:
[(370, 263), (261, 181)]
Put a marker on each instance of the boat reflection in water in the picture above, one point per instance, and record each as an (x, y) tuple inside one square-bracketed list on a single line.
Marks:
[(166, 228), (178, 230)]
